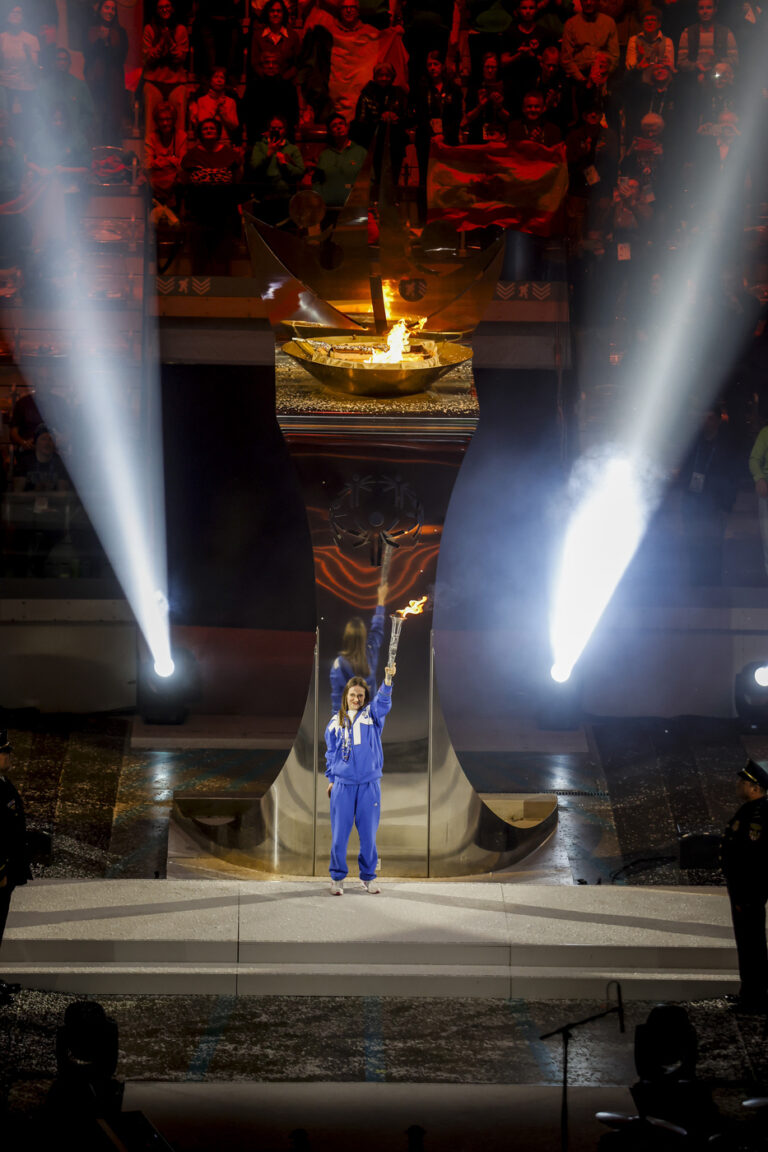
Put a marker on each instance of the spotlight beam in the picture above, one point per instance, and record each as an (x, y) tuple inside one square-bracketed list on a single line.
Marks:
[(114, 451), (653, 426)]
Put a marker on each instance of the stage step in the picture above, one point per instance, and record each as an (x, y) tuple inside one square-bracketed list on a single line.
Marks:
[(403, 980), (419, 938)]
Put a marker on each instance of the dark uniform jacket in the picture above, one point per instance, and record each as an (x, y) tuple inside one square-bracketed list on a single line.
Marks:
[(14, 866), (744, 852)]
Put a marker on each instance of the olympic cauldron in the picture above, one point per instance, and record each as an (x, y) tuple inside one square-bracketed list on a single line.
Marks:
[(376, 448), (399, 366)]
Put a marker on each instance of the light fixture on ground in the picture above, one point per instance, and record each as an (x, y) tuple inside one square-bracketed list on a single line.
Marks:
[(559, 707), (751, 695), (166, 689)]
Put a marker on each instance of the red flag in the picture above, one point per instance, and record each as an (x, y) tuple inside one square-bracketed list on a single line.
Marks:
[(519, 185)]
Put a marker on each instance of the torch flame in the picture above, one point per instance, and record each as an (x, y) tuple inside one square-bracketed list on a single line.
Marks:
[(397, 344), (415, 608)]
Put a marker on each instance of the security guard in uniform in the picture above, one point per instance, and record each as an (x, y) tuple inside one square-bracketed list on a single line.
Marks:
[(744, 861), (14, 865)]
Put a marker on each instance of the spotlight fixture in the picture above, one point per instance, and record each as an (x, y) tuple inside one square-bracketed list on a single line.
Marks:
[(751, 695), (164, 667), (166, 688), (559, 703)]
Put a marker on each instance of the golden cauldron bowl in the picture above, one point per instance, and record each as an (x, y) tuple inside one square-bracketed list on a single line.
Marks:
[(384, 379)]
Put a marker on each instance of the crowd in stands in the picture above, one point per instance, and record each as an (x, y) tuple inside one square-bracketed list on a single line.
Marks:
[(646, 101), (252, 100)]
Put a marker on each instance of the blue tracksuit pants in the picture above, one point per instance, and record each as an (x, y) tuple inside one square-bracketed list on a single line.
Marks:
[(358, 804)]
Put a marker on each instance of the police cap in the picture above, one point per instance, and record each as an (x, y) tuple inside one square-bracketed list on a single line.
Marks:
[(751, 772)]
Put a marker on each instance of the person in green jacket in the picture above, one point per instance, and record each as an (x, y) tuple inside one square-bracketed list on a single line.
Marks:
[(338, 165), (276, 166)]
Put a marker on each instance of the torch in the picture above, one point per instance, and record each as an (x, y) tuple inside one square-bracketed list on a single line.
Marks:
[(415, 608)]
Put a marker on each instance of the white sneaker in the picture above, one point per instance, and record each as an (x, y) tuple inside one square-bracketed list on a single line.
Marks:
[(337, 887), (370, 886)]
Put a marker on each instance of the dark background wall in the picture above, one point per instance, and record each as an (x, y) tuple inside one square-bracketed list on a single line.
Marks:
[(239, 552)]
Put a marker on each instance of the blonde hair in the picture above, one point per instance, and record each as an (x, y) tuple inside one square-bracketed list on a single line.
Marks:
[(353, 646)]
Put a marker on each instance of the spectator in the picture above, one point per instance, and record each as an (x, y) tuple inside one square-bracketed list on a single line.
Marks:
[(704, 43), (41, 469), (276, 166), (338, 165), (19, 51), (488, 23), (437, 103), (212, 161), (275, 38), (210, 170), (556, 90), (659, 97), (597, 90), (649, 47), (216, 104), (58, 145), (718, 145), (46, 31), (522, 46), (338, 56), (720, 92), (382, 103), (701, 46), (15, 232), (436, 113), (105, 55), (295, 17), (486, 117), (584, 35), (164, 151), (592, 151), (60, 87), (534, 126), (719, 149), (26, 419), (644, 161), (428, 26), (164, 48), (268, 93)]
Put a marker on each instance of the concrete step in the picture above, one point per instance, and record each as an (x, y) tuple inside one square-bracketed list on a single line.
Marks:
[(289, 937), (403, 980), (394, 953)]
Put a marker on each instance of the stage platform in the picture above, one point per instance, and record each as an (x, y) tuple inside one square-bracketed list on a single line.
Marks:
[(482, 938)]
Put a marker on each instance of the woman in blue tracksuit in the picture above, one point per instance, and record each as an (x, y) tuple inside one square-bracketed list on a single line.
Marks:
[(359, 654), (354, 760)]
